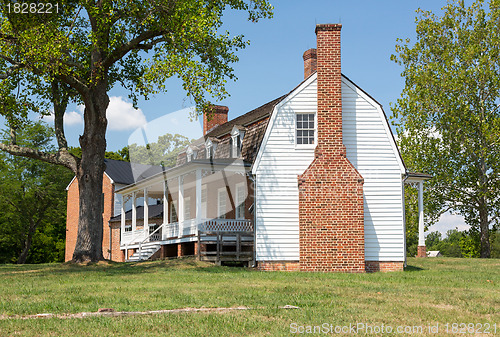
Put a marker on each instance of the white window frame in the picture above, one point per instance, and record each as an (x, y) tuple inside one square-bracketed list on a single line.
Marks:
[(315, 130), (209, 149), (240, 201), (221, 208)]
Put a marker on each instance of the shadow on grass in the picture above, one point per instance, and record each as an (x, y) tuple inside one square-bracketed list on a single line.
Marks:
[(413, 268)]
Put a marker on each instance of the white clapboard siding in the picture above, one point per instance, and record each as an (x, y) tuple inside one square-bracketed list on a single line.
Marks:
[(277, 207), (371, 149)]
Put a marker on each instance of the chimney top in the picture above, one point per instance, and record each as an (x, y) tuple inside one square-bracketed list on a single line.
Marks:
[(328, 26), (214, 116), (310, 62)]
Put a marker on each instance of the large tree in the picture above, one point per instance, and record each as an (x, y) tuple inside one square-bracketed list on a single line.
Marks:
[(448, 118), (84, 47)]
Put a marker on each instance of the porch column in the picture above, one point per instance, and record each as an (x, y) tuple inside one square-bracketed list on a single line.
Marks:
[(198, 198), (165, 203), (180, 206), (146, 214), (134, 212), (421, 239), (122, 226)]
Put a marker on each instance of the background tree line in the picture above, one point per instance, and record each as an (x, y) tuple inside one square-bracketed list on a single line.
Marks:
[(33, 192)]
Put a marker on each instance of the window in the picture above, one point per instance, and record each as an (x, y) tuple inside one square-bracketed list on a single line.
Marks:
[(305, 129), (240, 201), (221, 203), (128, 226), (173, 212), (189, 154), (187, 208), (209, 149)]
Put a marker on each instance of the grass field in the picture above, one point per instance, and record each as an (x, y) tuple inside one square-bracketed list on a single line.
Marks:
[(429, 292)]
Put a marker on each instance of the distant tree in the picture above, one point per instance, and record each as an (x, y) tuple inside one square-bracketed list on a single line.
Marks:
[(163, 152), (88, 47), (448, 116), (432, 240), (33, 201)]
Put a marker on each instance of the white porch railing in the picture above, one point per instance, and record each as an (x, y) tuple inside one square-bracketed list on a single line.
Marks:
[(189, 227)]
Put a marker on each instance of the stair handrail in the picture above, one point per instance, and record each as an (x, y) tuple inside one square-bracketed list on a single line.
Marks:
[(147, 238), (128, 243)]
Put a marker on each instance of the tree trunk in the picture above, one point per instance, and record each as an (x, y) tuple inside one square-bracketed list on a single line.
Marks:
[(89, 174), (484, 228), (27, 243)]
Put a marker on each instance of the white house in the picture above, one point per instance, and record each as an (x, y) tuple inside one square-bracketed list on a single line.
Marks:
[(312, 180)]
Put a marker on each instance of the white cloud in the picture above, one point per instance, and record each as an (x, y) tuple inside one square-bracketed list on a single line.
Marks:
[(449, 221), (73, 118), (70, 118), (122, 115)]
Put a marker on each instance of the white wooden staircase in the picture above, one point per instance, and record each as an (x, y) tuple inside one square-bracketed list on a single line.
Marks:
[(145, 253)]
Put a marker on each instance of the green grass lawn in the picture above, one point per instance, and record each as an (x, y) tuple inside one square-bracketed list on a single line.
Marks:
[(429, 292)]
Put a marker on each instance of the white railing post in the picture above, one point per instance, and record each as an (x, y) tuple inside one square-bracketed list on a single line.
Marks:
[(421, 238), (198, 200), (165, 210), (180, 205), (146, 214), (134, 212), (122, 224)]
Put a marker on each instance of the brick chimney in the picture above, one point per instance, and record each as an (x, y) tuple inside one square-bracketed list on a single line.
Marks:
[(331, 214), (213, 117), (309, 62)]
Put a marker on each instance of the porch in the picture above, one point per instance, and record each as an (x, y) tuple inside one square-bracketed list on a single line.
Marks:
[(180, 205)]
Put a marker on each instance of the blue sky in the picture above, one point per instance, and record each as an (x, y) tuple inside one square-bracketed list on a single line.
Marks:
[(272, 65)]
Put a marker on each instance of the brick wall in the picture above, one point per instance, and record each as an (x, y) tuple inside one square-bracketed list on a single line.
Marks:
[(331, 226), (117, 255), (73, 213), (421, 251), (310, 62), (214, 117), (375, 266), (278, 265)]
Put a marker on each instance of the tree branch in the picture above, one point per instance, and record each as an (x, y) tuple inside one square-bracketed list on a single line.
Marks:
[(62, 157), (118, 53)]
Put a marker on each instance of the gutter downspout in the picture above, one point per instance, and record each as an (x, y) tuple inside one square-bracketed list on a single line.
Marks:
[(404, 214)]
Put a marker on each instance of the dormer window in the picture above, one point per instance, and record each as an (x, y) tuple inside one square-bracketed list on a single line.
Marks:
[(209, 149), (235, 142)]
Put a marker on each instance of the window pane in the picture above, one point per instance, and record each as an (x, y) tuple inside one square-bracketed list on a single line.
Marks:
[(299, 117)]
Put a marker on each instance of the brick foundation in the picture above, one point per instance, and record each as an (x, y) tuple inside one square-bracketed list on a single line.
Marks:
[(278, 265), (422, 251), (383, 266)]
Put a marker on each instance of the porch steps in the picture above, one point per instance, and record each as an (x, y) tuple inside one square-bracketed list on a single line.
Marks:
[(144, 254)]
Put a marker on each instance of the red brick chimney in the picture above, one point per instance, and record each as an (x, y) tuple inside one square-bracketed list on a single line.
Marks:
[(214, 116), (331, 214), (309, 62)]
